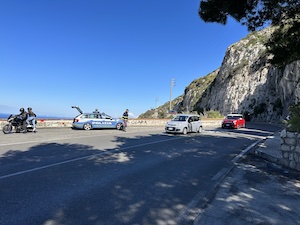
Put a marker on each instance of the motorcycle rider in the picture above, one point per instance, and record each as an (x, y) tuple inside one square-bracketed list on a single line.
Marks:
[(31, 117), (23, 117)]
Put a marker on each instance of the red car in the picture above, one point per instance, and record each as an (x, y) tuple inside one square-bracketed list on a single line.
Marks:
[(234, 121)]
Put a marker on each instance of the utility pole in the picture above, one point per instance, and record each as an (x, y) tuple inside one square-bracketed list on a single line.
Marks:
[(172, 84), (156, 100)]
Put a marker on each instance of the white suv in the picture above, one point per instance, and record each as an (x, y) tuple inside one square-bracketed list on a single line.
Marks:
[(184, 123)]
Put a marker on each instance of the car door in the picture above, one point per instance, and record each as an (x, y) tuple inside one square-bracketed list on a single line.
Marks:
[(96, 120), (190, 124), (242, 122), (108, 122), (239, 122), (195, 123)]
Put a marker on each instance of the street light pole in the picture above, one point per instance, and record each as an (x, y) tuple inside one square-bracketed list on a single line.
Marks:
[(172, 84), (156, 100)]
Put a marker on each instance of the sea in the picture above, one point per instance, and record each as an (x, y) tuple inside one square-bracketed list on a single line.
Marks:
[(6, 115)]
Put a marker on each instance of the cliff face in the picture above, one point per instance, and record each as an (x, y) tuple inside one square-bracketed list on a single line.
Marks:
[(247, 83)]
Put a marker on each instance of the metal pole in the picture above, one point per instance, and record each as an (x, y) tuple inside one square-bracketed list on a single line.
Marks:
[(172, 83)]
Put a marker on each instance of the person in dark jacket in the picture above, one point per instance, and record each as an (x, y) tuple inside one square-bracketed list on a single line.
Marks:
[(31, 117), (23, 116), (125, 119)]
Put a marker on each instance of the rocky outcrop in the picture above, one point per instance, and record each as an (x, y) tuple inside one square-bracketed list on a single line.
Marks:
[(247, 83), (194, 92)]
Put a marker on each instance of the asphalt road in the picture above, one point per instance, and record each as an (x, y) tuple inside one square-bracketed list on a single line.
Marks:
[(142, 176)]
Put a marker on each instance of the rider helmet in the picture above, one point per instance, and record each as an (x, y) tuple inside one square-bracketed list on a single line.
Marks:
[(22, 110), (29, 108)]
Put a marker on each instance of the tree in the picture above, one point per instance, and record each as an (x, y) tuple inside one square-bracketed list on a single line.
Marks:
[(284, 43), (294, 122)]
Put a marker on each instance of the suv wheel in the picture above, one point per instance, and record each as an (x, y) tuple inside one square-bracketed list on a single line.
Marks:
[(184, 131)]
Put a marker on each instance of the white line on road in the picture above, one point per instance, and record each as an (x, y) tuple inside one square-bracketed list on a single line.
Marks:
[(188, 210), (47, 140), (86, 157)]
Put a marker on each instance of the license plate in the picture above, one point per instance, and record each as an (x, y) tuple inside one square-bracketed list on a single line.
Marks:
[(227, 125), (170, 128)]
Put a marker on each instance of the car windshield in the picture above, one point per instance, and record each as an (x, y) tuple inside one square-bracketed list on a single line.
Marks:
[(233, 117), (180, 118)]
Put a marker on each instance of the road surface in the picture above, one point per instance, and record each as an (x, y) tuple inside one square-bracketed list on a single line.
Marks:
[(61, 176)]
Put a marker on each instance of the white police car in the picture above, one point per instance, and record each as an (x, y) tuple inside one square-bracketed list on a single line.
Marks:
[(95, 120), (184, 123)]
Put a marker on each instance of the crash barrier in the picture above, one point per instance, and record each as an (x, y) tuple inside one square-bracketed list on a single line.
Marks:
[(48, 123), (290, 149)]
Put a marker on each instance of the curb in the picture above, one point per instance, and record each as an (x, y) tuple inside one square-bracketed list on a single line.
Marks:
[(210, 195)]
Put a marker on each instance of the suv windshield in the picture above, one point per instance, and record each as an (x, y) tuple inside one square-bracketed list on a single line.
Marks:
[(180, 118)]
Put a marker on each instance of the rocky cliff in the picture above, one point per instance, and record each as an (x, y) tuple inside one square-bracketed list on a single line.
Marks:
[(246, 83)]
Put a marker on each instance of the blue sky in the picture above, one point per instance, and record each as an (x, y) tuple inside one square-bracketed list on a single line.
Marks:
[(109, 55)]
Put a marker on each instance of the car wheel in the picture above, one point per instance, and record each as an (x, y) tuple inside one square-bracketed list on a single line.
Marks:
[(87, 126), (184, 131), (119, 126), (200, 129)]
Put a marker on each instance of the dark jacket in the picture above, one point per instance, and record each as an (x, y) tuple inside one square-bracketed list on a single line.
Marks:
[(125, 115), (23, 115)]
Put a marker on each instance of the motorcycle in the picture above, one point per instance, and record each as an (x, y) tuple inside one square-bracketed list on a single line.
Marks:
[(15, 124)]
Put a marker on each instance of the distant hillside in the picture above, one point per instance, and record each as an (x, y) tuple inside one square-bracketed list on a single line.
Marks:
[(185, 102)]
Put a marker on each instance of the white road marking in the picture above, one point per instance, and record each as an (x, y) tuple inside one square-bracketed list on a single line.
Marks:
[(219, 174), (66, 138), (188, 210), (85, 157)]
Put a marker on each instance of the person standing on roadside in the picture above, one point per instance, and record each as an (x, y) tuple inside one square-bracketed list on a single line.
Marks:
[(125, 119), (31, 117)]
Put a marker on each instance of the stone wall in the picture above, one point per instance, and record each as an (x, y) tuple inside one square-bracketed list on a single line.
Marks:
[(290, 148), (43, 123)]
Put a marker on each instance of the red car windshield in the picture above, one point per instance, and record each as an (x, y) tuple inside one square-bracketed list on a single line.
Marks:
[(233, 117)]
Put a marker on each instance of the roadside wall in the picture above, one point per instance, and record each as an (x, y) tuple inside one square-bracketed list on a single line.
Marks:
[(290, 148), (44, 123)]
